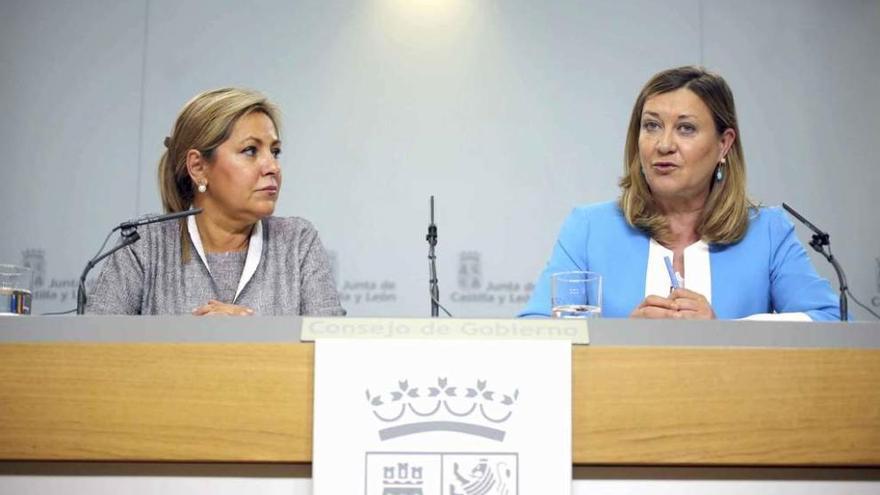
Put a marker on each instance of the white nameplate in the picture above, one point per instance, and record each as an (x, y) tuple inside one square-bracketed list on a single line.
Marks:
[(442, 417), (572, 330)]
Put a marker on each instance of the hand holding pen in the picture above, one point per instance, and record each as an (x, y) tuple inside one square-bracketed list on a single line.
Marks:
[(680, 304), (689, 305)]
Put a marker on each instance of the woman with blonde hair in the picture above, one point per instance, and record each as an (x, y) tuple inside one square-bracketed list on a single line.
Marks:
[(234, 258), (684, 198)]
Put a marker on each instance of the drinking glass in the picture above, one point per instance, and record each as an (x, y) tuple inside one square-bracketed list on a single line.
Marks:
[(16, 283), (576, 294)]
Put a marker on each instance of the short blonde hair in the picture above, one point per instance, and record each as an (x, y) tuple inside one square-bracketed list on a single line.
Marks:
[(204, 123), (725, 217)]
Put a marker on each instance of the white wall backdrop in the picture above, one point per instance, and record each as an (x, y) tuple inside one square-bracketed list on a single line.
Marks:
[(509, 112)]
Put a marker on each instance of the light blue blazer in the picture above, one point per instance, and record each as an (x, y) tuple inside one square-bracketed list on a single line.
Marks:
[(767, 271)]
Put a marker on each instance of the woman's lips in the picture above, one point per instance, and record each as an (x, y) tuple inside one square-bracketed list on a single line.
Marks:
[(664, 166)]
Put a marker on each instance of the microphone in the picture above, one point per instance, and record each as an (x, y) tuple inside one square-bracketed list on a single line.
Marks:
[(148, 219), (433, 285), (128, 231), (818, 243)]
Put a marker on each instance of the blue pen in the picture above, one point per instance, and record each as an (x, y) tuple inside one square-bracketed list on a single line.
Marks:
[(672, 275)]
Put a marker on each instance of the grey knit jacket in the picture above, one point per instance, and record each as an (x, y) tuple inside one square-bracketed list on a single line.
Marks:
[(293, 276)]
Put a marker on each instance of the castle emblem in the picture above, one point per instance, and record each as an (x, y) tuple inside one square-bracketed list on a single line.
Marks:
[(470, 271), (35, 259), (402, 479)]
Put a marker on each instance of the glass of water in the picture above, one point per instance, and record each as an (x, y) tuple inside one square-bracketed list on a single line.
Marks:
[(576, 294), (15, 290)]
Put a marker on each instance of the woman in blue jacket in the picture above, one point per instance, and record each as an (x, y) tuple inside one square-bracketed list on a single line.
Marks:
[(684, 196)]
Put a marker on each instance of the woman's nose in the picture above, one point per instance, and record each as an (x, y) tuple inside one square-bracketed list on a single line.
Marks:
[(271, 165), (666, 143)]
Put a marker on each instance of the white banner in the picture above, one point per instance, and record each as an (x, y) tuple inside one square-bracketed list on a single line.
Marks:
[(395, 417)]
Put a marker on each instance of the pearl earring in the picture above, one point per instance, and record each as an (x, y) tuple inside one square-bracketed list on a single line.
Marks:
[(719, 170), (203, 187)]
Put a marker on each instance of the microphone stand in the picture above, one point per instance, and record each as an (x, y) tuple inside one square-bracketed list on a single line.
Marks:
[(128, 232), (129, 237), (818, 243), (433, 283)]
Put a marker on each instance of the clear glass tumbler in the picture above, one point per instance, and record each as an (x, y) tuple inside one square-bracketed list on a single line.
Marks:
[(576, 294), (16, 283)]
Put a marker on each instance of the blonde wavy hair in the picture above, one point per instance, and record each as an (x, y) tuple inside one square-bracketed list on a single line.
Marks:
[(725, 216), (204, 123)]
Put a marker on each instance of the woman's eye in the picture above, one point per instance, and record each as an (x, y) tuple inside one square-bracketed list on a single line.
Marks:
[(250, 151), (276, 152), (650, 125), (687, 128)]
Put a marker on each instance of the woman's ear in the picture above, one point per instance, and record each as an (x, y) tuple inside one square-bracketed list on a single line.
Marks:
[(727, 139), (196, 166)]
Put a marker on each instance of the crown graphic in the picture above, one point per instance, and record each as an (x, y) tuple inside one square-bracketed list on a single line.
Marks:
[(472, 410)]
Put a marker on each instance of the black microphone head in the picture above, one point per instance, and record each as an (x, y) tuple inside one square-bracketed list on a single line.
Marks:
[(804, 221)]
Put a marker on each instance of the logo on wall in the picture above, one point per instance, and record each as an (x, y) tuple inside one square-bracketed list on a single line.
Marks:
[(473, 289), (48, 291), (356, 292), (473, 409), (35, 259), (470, 271)]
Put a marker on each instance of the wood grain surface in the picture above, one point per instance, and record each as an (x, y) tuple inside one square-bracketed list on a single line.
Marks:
[(642, 406)]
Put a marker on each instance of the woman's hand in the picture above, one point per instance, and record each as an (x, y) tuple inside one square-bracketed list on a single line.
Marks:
[(691, 305), (681, 304), (655, 307), (215, 308)]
